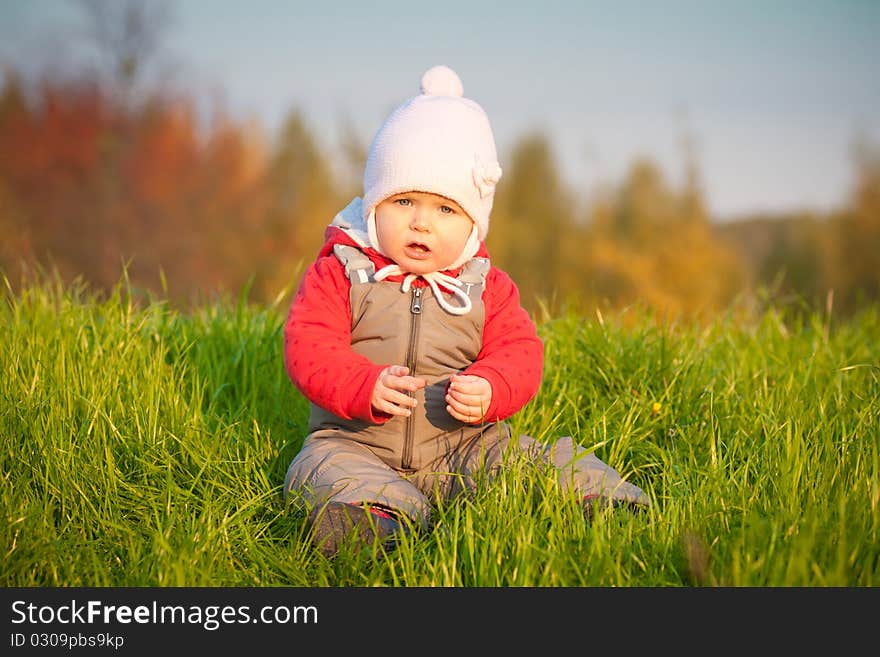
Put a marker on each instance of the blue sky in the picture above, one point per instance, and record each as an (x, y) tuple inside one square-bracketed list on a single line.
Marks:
[(772, 92)]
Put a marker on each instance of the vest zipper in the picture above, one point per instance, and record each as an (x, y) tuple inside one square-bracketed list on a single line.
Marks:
[(415, 310)]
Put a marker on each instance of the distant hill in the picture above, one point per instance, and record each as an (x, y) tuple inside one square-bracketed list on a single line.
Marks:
[(786, 252)]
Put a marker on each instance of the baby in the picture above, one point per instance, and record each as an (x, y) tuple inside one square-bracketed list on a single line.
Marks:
[(411, 346)]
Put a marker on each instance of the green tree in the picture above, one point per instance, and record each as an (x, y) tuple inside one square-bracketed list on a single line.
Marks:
[(302, 202), (532, 235)]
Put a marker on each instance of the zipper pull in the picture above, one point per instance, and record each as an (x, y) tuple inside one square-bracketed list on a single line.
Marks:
[(416, 306)]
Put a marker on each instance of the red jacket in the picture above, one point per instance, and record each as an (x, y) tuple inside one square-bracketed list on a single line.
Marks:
[(320, 362)]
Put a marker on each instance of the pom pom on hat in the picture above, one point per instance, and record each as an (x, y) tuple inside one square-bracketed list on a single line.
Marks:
[(438, 142), (441, 81)]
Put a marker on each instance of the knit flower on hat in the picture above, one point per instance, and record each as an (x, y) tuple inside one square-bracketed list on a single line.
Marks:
[(486, 176)]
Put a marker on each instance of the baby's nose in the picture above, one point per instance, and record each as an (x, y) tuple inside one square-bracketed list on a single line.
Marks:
[(419, 220)]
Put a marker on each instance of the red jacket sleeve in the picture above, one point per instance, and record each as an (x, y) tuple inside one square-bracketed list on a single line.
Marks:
[(317, 345), (512, 357)]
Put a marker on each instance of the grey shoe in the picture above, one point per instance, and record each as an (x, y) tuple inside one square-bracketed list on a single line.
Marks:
[(624, 496), (337, 523)]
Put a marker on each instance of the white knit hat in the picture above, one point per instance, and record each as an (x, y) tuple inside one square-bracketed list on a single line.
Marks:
[(438, 142)]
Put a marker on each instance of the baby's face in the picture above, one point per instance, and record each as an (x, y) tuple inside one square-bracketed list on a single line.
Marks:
[(422, 232)]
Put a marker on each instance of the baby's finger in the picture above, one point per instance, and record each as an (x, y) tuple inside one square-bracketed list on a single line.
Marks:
[(467, 383), (463, 397), (462, 411), (396, 376), (413, 383), (393, 409), (462, 416), (397, 403), (401, 399), (457, 406), (404, 383)]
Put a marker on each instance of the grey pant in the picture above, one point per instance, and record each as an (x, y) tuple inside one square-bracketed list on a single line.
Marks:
[(340, 469)]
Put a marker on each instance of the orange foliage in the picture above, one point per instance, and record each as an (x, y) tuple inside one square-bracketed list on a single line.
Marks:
[(90, 188), (163, 157)]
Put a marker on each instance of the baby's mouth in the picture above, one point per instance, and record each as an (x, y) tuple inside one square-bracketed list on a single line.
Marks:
[(417, 250)]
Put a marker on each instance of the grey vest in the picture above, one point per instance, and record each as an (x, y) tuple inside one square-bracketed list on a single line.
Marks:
[(395, 328)]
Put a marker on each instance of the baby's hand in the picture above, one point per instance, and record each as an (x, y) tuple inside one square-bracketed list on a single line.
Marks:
[(389, 393), (468, 397)]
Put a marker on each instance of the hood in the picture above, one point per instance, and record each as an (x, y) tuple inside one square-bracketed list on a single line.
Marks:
[(352, 222)]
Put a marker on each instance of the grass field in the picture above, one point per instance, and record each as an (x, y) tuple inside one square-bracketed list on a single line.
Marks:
[(143, 446)]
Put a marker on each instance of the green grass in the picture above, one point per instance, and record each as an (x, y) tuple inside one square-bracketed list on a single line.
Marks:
[(143, 446)]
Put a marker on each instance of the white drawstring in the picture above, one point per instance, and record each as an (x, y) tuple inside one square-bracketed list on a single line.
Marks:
[(434, 279)]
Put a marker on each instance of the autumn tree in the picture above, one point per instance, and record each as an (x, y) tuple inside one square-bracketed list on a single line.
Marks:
[(652, 244), (55, 145), (17, 245), (855, 235)]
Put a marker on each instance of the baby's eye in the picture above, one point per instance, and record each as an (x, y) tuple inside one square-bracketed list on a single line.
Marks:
[(445, 209), (404, 202)]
